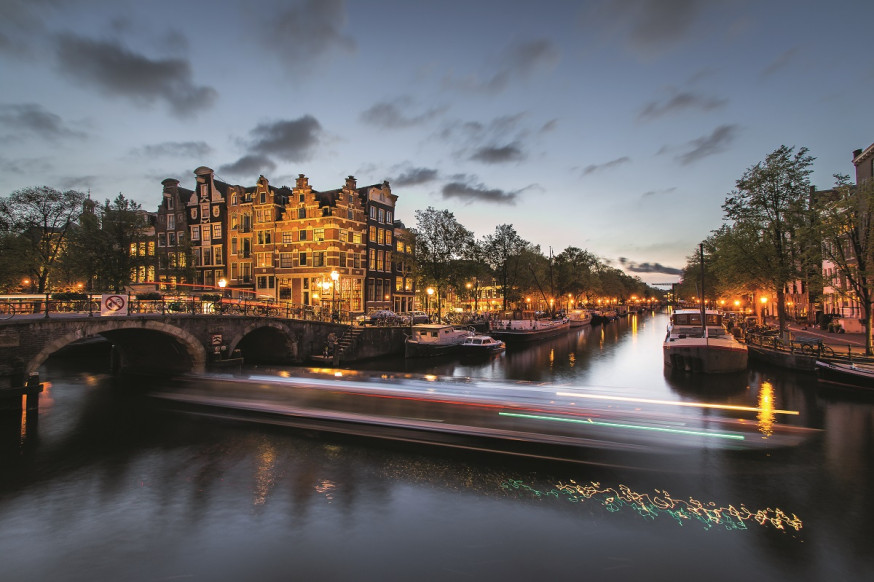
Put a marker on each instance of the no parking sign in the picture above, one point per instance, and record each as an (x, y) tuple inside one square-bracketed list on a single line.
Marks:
[(113, 305)]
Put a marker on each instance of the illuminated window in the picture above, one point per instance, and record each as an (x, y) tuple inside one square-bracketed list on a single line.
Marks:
[(216, 230)]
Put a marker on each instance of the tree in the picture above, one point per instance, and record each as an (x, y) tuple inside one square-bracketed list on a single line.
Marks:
[(40, 217), (771, 200), (576, 272), (503, 253), (847, 228), (441, 241)]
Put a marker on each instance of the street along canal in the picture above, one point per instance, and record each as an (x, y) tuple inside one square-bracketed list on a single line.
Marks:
[(104, 484)]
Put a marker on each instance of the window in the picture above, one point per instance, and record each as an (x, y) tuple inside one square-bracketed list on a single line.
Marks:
[(151, 248), (342, 259), (171, 239), (216, 230), (133, 249), (204, 211), (264, 259), (141, 251), (380, 266), (169, 200), (265, 237), (388, 216), (162, 242), (372, 233), (372, 264), (319, 234), (234, 199), (204, 232), (388, 237), (217, 255), (287, 238), (380, 237), (171, 222), (207, 256), (180, 237), (400, 246), (302, 258), (342, 236), (303, 234), (356, 238), (302, 212), (285, 260), (302, 198), (373, 212), (263, 197), (381, 215), (233, 245), (387, 260), (319, 259)]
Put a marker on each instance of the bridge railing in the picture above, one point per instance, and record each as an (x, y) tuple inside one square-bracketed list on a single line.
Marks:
[(40, 305)]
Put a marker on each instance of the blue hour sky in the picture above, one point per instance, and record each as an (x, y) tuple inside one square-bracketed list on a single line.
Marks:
[(614, 126)]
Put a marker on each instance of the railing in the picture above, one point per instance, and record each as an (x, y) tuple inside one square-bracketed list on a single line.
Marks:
[(804, 346)]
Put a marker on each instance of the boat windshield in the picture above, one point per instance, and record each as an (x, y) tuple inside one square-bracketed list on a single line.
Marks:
[(695, 319)]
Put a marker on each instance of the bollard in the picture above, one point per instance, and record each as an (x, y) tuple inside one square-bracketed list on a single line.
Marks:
[(31, 392)]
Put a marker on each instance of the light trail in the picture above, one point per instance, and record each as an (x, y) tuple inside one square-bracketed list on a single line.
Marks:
[(675, 403), (721, 435)]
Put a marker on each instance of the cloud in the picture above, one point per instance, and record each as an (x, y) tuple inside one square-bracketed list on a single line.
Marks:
[(249, 166), (415, 176), (678, 103), (648, 267), (649, 193), (518, 61), (498, 155), (593, 168), (717, 142), (307, 31), (647, 27), (390, 115), (176, 149), (782, 61), (115, 70), (290, 140), (34, 119), (478, 193)]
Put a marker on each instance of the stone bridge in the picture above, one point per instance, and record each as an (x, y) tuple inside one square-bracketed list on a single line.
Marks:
[(170, 344)]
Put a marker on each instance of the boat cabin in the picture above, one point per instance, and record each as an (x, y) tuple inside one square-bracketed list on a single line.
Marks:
[(687, 323)]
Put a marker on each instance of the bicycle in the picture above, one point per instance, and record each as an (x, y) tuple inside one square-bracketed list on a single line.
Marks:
[(817, 348)]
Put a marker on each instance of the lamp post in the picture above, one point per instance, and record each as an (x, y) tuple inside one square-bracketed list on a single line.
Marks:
[(335, 276), (430, 292)]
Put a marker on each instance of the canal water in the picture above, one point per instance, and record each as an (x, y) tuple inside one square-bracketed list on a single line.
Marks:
[(103, 484)]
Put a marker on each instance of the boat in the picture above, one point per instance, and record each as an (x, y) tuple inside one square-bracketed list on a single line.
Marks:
[(432, 339), (521, 331), (480, 344), (579, 317), (846, 373), (695, 346)]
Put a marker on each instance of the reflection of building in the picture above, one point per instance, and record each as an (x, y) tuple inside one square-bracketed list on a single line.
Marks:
[(294, 244)]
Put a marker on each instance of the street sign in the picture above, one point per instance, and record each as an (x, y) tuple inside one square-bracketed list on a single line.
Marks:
[(113, 305), (216, 339)]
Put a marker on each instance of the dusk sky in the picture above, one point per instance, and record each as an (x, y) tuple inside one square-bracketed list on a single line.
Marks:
[(614, 126)]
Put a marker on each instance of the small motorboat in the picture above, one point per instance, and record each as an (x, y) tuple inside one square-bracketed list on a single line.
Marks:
[(858, 375), (482, 344)]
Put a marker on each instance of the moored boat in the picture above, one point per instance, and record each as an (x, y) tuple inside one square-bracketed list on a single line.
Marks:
[(579, 317), (429, 340), (520, 331), (695, 346), (479, 344), (846, 373)]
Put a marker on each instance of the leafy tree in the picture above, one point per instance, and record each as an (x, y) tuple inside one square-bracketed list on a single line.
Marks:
[(40, 218), (504, 254), (847, 227), (771, 200), (441, 241), (576, 272)]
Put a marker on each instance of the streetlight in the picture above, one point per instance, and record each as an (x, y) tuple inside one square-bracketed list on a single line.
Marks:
[(335, 276), (430, 292)]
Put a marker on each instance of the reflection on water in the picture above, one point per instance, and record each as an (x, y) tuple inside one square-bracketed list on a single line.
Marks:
[(107, 487), (652, 506)]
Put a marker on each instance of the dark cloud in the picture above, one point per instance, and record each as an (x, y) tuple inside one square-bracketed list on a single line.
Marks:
[(22, 24), (648, 27), (195, 149), (717, 142), (648, 267), (306, 31), (248, 166), (415, 176), (498, 155), (115, 70), (518, 61), (479, 193), (290, 140), (34, 119), (391, 115), (678, 103), (593, 168)]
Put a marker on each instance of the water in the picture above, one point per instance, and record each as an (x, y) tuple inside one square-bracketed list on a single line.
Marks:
[(104, 486)]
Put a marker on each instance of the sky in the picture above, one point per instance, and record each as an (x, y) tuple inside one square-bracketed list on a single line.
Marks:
[(618, 127)]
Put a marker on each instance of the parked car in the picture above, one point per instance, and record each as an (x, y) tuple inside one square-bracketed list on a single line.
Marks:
[(418, 317), (382, 317)]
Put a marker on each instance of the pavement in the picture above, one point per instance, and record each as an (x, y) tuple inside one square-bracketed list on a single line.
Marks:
[(841, 343)]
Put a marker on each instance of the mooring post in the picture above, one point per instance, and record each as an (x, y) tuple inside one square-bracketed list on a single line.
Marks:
[(31, 391)]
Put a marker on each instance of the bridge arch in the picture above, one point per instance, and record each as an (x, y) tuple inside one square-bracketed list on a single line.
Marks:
[(130, 336), (268, 340)]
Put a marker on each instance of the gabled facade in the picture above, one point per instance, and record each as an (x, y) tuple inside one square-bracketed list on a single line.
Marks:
[(379, 203), (174, 257)]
